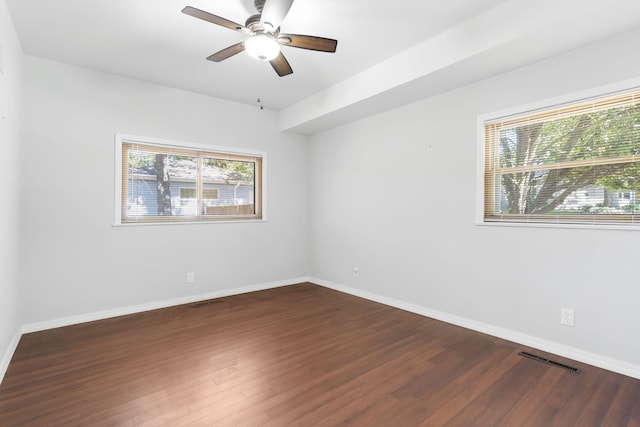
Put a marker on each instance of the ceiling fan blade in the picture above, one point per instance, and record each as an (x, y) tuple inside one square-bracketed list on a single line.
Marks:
[(274, 12), (214, 19), (308, 42), (281, 65), (227, 53)]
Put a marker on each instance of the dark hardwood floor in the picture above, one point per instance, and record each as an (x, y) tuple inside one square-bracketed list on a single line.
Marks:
[(296, 356)]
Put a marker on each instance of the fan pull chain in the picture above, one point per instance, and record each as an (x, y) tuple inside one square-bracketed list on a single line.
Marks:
[(260, 91)]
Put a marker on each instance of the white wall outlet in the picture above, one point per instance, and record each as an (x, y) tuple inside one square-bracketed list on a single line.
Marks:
[(355, 271), (567, 317), (191, 277)]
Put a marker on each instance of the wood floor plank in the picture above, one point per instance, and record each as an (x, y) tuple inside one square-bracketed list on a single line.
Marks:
[(617, 413), (371, 413), (467, 386), (300, 355), (356, 395)]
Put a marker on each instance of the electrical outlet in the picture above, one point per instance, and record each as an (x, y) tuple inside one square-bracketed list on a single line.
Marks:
[(355, 271), (567, 317), (191, 277)]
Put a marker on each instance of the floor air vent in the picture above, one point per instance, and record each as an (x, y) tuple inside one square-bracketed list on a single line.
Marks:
[(550, 362)]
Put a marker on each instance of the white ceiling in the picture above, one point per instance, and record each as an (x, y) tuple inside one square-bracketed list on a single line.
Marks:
[(388, 52)]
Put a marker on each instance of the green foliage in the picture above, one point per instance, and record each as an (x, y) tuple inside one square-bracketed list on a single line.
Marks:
[(139, 159), (237, 170), (611, 133)]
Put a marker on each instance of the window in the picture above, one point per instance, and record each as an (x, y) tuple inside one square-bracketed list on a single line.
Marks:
[(162, 181), (207, 193), (577, 163), (210, 193), (187, 193)]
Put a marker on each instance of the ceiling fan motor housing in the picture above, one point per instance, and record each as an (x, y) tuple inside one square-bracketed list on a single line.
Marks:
[(253, 23)]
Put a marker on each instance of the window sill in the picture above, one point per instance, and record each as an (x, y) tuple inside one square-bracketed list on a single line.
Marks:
[(635, 227), (146, 224)]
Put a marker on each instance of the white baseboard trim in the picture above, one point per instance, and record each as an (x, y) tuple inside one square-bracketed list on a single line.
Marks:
[(8, 354), (99, 315), (573, 353)]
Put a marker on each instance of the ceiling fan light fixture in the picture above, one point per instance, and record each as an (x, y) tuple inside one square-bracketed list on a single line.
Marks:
[(262, 47)]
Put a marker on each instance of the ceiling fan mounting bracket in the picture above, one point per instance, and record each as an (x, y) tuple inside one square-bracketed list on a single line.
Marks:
[(259, 4)]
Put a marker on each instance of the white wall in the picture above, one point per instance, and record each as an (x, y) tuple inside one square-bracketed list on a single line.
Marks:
[(76, 262), (10, 116), (395, 195)]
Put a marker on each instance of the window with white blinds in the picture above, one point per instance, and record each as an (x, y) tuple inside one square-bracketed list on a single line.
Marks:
[(576, 163), (162, 182)]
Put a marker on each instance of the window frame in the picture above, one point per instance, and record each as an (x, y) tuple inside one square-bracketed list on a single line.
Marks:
[(611, 90), (260, 182)]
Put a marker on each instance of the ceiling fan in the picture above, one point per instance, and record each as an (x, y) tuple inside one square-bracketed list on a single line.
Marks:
[(264, 33)]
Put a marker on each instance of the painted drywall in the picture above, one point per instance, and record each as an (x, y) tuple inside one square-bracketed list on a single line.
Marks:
[(76, 262), (10, 116), (395, 195)]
